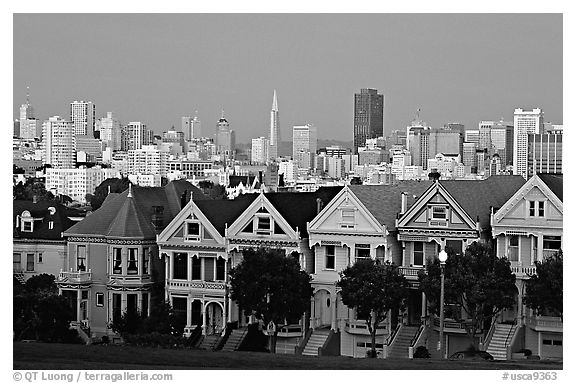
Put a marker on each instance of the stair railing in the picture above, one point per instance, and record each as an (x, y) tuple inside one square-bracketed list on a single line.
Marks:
[(488, 337)]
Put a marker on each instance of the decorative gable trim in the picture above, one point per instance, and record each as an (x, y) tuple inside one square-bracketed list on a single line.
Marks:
[(252, 215), (189, 212), (433, 196), (512, 203)]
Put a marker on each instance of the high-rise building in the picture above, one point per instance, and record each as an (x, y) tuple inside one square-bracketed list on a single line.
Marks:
[(417, 142), (90, 147), (545, 153), (472, 136), (484, 138), (110, 131), (77, 182), (525, 122), (136, 134), (225, 138), (274, 129), (195, 127), (28, 124), (148, 160), (191, 127), (83, 117), (469, 154), (446, 141), (304, 144), (368, 116), (58, 143), (260, 147)]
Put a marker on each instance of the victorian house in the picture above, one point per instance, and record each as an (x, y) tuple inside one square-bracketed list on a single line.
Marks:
[(359, 223), (38, 245), (528, 228), (112, 258), (448, 215)]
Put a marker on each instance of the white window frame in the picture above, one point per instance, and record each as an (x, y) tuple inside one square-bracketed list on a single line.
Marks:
[(423, 254), (333, 256), (26, 222), (347, 218), (509, 247), (192, 237), (257, 229), (99, 299), (444, 209)]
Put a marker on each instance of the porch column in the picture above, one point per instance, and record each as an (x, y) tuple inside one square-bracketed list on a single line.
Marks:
[(540, 247), (230, 309), (423, 315), (188, 267), (520, 240), (203, 318), (312, 313), (78, 301), (188, 312), (333, 301), (171, 265)]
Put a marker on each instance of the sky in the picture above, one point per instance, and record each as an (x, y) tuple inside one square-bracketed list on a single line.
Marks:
[(156, 68)]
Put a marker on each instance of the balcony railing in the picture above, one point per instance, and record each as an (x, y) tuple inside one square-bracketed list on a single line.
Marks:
[(130, 279), (204, 285), (540, 323), (410, 272), (355, 326), (291, 331), (523, 270), (450, 324), (75, 276)]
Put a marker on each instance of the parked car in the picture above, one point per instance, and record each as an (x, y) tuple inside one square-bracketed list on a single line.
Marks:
[(471, 354)]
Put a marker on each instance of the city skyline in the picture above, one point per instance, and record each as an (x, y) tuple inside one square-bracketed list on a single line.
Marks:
[(483, 72)]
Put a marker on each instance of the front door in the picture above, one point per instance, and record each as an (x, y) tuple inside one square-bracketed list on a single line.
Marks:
[(213, 319), (323, 308)]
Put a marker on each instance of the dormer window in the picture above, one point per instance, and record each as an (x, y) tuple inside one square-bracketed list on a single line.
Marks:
[(27, 222), (438, 215), (439, 212), (192, 232), (536, 208)]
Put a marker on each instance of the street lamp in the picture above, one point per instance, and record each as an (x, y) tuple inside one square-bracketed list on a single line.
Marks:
[(443, 256)]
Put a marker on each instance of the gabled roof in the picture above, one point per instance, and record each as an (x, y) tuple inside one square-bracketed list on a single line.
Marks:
[(476, 197), (41, 210), (222, 212), (385, 201), (135, 212), (300, 208), (554, 183)]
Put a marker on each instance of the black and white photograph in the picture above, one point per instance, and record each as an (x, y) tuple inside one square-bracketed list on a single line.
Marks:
[(286, 190)]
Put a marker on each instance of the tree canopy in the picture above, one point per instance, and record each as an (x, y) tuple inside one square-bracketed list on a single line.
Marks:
[(117, 185), (372, 289), (213, 191), (271, 285), (32, 187), (544, 289), (477, 281)]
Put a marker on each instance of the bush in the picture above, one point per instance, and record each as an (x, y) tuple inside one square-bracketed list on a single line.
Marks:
[(156, 339), (421, 352), (525, 351)]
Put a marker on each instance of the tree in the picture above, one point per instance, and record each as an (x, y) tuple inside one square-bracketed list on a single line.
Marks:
[(271, 286), (32, 187), (373, 289), (477, 281), (116, 185), (544, 289), (213, 191)]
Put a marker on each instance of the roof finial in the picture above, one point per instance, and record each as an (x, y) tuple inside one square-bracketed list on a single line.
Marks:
[(130, 190)]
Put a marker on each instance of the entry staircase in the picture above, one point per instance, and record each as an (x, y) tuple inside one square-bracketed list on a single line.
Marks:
[(317, 339), (401, 342), (19, 275), (235, 339), (500, 340), (208, 342)]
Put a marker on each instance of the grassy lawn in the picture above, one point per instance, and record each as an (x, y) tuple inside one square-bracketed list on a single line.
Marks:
[(38, 356)]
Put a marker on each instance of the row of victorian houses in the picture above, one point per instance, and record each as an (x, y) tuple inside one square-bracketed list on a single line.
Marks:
[(108, 262)]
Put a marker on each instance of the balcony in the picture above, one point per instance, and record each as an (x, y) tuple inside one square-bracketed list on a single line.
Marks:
[(544, 323), (76, 277), (410, 272), (116, 279), (200, 286), (291, 331), (359, 327), (523, 271)]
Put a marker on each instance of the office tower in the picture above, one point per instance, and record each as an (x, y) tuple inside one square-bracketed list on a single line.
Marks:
[(525, 122), (16, 131), (472, 136), (446, 141), (147, 160), (83, 117), (397, 137), (195, 127), (469, 154), (173, 136), (484, 138), (274, 129), (58, 143), (368, 116), (545, 153), (304, 144), (110, 131), (260, 147), (225, 138), (90, 147), (186, 127), (28, 124), (136, 134), (508, 128), (417, 140)]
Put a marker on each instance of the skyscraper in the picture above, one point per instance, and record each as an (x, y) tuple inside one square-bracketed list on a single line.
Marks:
[(225, 138), (260, 147), (58, 143), (545, 153), (368, 116), (274, 129), (525, 122), (304, 144), (136, 134), (110, 131), (191, 127), (83, 117), (28, 124)]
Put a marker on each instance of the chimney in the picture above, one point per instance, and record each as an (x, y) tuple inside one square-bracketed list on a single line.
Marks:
[(318, 205), (183, 200), (404, 203)]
